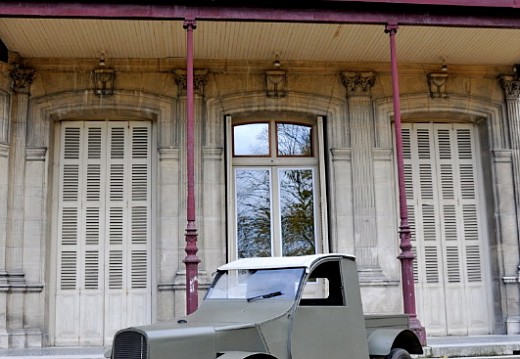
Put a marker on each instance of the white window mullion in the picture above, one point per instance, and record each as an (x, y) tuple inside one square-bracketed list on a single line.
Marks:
[(276, 221), (321, 207)]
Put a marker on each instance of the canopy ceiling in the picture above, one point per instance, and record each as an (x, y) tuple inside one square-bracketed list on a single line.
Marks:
[(46, 33)]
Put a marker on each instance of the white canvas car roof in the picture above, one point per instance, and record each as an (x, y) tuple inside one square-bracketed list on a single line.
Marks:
[(280, 262)]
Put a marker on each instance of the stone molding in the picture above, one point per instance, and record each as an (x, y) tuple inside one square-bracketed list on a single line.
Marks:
[(14, 281), (46, 110), (4, 150), (212, 153), (382, 154), (420, 104), (341, 154), (35, 154), (502, 156), (166, 154)]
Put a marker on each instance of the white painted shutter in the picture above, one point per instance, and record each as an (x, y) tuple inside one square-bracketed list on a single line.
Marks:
[(128, 284), (443, 207), (104, 231), (79, 301), (421, 200)]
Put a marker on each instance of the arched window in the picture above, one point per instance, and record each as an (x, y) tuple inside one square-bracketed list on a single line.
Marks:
[(275, 187)]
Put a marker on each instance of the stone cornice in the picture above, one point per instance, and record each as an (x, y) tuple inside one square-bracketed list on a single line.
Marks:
[(35, 154), (4, 150)]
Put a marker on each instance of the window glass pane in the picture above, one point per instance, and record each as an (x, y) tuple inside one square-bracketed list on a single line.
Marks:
[(293, 140), (253, 212), (257, 285), (251, 139), (297, 212)]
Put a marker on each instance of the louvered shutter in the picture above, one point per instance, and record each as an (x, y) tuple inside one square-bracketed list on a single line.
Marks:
[(418, 145), (129, 226), (104, 232), (442, 200), (79, 298)]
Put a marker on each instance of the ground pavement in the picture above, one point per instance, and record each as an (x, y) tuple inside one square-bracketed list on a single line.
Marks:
[(484, 347)]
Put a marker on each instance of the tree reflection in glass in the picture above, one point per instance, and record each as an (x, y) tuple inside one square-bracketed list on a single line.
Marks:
[(297, 212), (293, 140), (253, 206)]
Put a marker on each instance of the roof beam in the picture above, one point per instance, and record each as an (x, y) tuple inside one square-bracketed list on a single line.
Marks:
[(358, 12)]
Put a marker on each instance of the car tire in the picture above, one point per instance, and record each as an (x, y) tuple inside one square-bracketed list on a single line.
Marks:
[(398, 353)]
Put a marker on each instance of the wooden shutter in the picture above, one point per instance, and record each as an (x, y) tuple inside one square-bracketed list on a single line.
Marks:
[(104, 230), (129, 226), (443, 202), (81, 219)]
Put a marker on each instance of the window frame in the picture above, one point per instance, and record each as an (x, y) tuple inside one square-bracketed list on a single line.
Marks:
[(275, 163)]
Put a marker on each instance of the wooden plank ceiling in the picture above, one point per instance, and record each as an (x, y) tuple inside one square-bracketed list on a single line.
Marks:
[(87, 38)]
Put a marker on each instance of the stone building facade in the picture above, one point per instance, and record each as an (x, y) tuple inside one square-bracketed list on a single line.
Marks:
[(93, 188)]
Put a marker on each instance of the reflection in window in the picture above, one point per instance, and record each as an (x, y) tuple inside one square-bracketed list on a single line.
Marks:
[(297, 212), (276, 202), (251, 139), (293, 140), (253, 211)]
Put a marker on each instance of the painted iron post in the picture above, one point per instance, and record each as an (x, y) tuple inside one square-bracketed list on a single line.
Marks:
[(407, 256), (191, 260)]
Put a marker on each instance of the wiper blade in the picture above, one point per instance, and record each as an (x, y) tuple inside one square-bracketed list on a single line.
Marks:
[(263, 296)]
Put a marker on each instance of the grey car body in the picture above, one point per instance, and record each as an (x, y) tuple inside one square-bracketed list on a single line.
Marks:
[(261, 308)]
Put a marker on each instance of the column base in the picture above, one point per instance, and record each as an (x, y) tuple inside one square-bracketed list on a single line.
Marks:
[(33, 338), (513, 325), (17, 339)]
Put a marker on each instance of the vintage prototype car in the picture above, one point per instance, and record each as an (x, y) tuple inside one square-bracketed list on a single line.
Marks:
[(305, 307)]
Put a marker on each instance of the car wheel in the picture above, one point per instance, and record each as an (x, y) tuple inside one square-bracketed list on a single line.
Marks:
[(398, 353)]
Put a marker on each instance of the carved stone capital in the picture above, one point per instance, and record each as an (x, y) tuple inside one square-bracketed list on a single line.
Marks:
[(200, 79), (358, 83), (22, 79), (511, 86)]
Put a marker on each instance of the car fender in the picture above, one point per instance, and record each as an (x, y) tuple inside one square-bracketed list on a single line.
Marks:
[(245, 355), (382, 341)]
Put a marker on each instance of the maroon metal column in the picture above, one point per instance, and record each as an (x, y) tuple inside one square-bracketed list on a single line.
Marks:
[(191, 260), (407, 256)]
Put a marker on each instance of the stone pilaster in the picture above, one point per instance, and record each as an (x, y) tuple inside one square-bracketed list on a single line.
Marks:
[(4, 286), (169, 222), (358, 85), (511, 87), (5, 118), (34, 244), (21, 82), (341, 225)]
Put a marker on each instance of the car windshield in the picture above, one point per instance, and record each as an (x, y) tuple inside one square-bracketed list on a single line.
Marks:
[(252, 285)]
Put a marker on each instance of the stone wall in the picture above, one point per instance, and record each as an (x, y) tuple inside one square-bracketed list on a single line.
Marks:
[(356, 101)]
